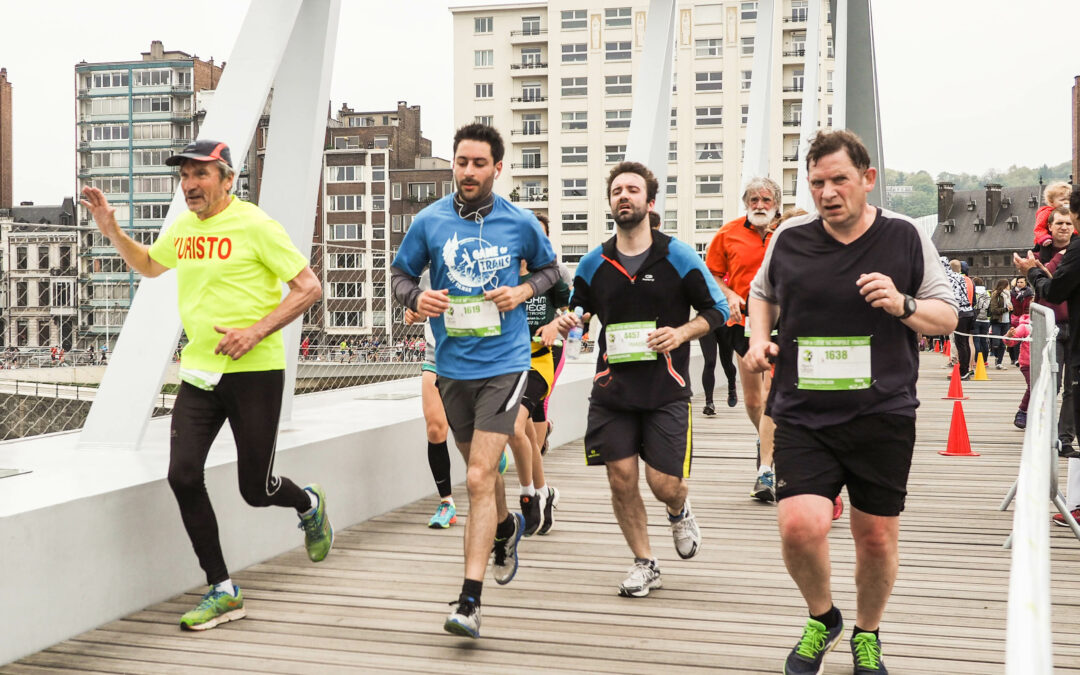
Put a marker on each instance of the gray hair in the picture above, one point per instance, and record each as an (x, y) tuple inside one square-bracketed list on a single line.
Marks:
[(762, 183), (224, 169)]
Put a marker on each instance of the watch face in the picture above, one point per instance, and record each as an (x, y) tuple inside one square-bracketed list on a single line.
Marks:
[(909, 305)]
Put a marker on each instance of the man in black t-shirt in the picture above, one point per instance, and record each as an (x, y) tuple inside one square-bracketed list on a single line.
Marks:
[(852, 288)]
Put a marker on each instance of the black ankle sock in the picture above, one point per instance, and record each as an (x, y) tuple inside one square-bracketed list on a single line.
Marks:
[(472, 589), (831, 618), (505, 529), (860, 630)]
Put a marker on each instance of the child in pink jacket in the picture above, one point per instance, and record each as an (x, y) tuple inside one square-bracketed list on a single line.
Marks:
[(1023, 330)]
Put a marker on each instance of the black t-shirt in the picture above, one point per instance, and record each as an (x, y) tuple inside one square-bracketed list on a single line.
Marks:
[(811, 276), (632, 263)]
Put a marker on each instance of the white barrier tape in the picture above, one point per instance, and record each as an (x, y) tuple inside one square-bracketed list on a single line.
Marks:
[(992, 337)]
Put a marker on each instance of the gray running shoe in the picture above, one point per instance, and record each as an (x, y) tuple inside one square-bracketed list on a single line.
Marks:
[(464, 619), (686, 534), (866, 652), (505, 550), (808, 656), (765, 487), (643, 577)]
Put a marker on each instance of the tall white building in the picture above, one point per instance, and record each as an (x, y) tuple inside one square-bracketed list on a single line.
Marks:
[(557, 78)]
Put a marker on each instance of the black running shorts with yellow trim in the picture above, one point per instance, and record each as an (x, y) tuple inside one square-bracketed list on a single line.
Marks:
[(541, 375), (662, 437), (870, 454)]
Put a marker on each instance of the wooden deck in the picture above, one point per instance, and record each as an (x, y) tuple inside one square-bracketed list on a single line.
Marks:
[(378, 602)]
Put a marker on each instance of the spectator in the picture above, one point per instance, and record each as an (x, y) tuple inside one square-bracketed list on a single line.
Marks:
[(998, 313), (981, 303)]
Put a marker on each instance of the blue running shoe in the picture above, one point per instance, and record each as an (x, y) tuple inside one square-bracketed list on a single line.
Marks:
[(445, 516)]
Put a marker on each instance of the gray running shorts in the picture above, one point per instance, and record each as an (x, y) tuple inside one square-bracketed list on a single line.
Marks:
[(489, 404)]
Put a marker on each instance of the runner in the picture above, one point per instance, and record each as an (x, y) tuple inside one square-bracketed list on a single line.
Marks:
[(641, 284), (851, 289), (230, 260), (545, 426), (474, 242)]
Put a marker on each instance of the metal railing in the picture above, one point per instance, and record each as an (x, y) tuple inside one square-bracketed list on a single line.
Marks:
[(530, 65)]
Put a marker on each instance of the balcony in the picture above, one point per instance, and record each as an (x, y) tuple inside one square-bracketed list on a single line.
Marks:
[(793, 123), (528, 69), (790, 88), (794, 19), (530, 200), (528, 102), (530, 169), (529, 135), (519, 37), (795, 53), (791, 158)]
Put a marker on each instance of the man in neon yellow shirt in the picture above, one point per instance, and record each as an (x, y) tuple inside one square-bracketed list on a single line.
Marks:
[(230, 259)]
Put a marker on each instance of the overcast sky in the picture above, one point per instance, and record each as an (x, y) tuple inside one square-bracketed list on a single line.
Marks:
[(965, 85)]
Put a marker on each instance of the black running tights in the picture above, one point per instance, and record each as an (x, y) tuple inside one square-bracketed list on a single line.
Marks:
[(712, 342), (252, 404)]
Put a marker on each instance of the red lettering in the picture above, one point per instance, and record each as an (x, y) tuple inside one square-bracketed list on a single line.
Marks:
[(199, 251), (210, 245), (224, 248), (178, 244), (188, 252)]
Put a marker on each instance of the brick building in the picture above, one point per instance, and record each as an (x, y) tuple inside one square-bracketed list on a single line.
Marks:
[(6, 154)]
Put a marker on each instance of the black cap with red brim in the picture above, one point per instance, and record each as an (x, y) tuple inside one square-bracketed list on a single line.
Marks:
[(202, 151)]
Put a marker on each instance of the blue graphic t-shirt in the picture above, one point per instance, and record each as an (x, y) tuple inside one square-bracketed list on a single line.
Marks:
[(469, 257)]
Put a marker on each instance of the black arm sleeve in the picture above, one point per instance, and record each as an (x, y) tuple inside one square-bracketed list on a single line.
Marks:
[(1066, 277), (544, 278), (406, 288)]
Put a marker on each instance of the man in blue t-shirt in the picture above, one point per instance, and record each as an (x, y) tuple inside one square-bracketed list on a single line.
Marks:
[(474, 242)]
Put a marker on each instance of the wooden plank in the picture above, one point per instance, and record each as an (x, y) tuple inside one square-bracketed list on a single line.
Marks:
[(378, 602)]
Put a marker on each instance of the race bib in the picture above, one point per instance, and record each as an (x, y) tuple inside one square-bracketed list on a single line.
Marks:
[(472, 316), (834, 363), (626, 341)]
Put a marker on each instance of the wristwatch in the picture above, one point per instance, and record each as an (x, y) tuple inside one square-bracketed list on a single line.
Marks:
[(909, 307)]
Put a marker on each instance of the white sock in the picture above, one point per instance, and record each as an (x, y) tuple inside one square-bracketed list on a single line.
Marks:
[(449, 500), (314, 502), (763, 468), (542, 490), (226, 587), (528, 490)]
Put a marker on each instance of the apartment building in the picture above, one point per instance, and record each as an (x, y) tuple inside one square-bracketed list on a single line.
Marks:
[(131, 116), (557, 79)]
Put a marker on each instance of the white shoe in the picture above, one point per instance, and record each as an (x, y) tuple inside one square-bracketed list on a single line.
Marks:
[(643, 577), (686, 534)]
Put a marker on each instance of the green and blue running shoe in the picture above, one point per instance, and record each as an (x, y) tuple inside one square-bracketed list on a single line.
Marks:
[(445, 516), (502, 463), (216, 607), (318, 533), (866, 651), (808, 656)]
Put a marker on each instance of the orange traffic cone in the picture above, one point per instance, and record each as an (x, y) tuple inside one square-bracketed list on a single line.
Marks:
[(959, 443), (980, 370), (937, 346), (948, 347), (956, 390)]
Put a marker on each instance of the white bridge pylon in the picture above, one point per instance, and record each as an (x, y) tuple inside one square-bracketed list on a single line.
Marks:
[(288, 44)]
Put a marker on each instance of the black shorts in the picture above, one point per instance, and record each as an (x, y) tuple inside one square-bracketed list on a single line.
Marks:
[(870, 454), (536, 390), (662, 437)]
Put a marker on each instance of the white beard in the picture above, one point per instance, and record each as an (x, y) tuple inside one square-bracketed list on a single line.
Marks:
[(761, 219)]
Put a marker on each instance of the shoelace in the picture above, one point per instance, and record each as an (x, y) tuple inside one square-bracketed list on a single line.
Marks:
[(444, 508), (766, 479), (500, 551), (463, 607), (812, 642), (867, 650), (311, 525), (208, 599)]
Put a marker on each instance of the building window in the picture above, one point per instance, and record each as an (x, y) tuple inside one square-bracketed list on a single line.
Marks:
[(486, 120), (158, 184), (829, 81), (747, 76), (62, 294), (395, 223), (421, 192), (347, 289), (43, 257), (744, 113), (485, 90), (617, 17), (708, 47), (145, 104), (447, 187), (20, 257), (828, 117), (378, 232), (712, 81), (574, 19), (378, 260), (483, 24), (118, 79), (710, 185), (345, 319), (617, 51), (575, 154), (746, 46), (378, 174), (575, 121), (381, 142), (22, 333), (617, 119), (484, 58), (670, 222), (799, 10), (672, 185), (344, 174), (713, 115), (20, 294), (574, 187), (530, 25), (575, 86), (530, 158), (706, 14), (65, 257), (673, 151), (830, 50), (708, 219), (346, 232), (702, 249), (707, 152), (575, 222), (378, 202), (346, 203), (530, 56), (575, 53), (152, 78), (748, 11), (346, 142), (43, 293), (531, 91), (674, 117), (395, 191), (572, 253), (617, 84), (614, 153), (346, 261)]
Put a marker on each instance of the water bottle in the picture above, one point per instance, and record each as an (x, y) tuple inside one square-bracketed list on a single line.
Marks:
[(573, 339)]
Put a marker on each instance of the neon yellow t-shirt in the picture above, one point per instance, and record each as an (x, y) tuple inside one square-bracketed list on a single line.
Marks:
[(229, 270)]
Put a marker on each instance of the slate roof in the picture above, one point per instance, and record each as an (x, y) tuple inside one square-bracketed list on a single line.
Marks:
[(60, 214), (961, 234)]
